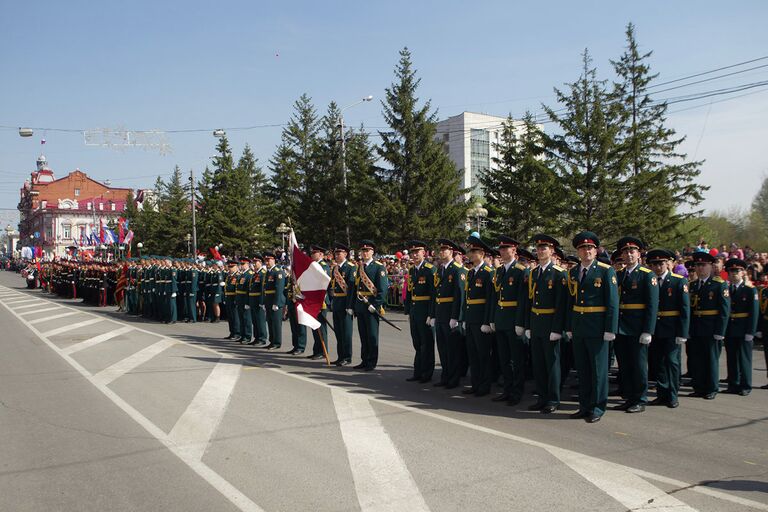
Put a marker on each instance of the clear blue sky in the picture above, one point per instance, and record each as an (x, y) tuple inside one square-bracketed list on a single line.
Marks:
[(186, 65)]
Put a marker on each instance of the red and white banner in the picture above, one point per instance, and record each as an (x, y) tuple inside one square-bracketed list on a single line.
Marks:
[(312, 282)]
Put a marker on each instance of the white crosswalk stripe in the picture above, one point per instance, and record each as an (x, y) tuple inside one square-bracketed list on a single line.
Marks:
[(77, 347), (27, 306), (53, 317), (71, 327), (39, 310), (120, 368)]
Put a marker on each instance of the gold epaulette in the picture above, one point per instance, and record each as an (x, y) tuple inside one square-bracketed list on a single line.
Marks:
[(604, 265), (718, 279), (487, 268), (457, 264), (379, 263), (676, 275), (520, 266), (559, 269), (428, 265), (643, 269), (749, 285)]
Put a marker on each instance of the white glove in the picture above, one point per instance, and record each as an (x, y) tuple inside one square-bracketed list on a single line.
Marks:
[(431, 322), (246, 307), (759, 334), (519, 330), (718, 338), (645, 339), (371, 309), (609, 336), (569, 334), (173, 295), (349, 312), (528, 333), (493, 327), (555, 336), (222, 283), (485, 329), (275, 308), (680, 341), (464, 325), (264, 307), (453, 323), (748, 337)]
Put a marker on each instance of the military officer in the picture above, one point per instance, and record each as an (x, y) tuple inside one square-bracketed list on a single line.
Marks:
[(546, 298), (215, 290), (672, 322), (478, 313), (317, 253), (447, 314), (592, 321), (192, 289), (242, 301), (418, 299), (508, 321), (742, 325), (256, 301), (371, 286), (342, 288), (638, 305), (274, 300), (230, 300), (172, 291), (711, 307)]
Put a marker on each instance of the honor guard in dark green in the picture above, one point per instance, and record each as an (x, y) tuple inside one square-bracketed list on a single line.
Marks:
[(546, 298), (418, 299), (478, 313), (509, 283), (230, 300), (274, 300), (447, 314), (242, 301), (215, 290), (742, 326), (638, 305), (592, 321), (172, 292), (183, 285), (256, 301), (371, 286), (710, 310), (762, 325), (342, 291), (672, 321), (298, 331), (193, 286), (317, 253)]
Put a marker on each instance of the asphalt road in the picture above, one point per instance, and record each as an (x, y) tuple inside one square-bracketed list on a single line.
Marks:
[(102, 411)]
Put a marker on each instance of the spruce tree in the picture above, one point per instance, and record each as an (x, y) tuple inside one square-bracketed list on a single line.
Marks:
[(215, 225), (174, 219), (523, 195), (760, 203), (660, 187), (423, 184)]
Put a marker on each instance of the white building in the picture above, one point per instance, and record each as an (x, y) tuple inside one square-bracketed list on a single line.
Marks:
[(470, 140)]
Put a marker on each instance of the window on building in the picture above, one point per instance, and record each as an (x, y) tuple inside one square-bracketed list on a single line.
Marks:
[(66, 231), (101, 206), (77, 192), (48, 232), (113, 206), (89, 206), (480, 158)]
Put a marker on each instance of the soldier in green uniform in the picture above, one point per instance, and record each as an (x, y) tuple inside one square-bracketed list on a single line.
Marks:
[(230, 300), (546, 300), (183, 285), (447, 314), (592, 321), (711, 307), (256, 301), (742, 325), (172, 291), (192, 290), (242, 301), (371, 286), (638, 305), (762, 325), (418, 299), (342, 287), (215, 290), (672, 321), (274, 301), (318, 254), (298, 331), (478, 313), (508, 321)]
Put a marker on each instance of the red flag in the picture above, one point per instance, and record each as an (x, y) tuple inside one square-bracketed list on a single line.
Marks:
[(120, 227), (312, 283)]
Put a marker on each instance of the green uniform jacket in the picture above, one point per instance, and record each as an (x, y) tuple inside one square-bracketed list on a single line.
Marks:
[(711, 307), (674, 314), (745, 311), (638, 301), (593, 306), (762, 322), (274, 288), (420, 291), (192, 282), (479, 295), (327, 269), (546, 301), (230, 289), (377, 273), (449, 293), (341, 298), (243, 285), (256, 288), (510, 287)]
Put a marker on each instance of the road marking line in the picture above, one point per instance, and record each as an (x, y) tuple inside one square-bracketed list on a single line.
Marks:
[(39, 310), (382, 480), (54, 317), (194, 429), (77, 347), (27, 306), (624, 486), (14, 302), (131, 362), (226, 489), (71, 327)]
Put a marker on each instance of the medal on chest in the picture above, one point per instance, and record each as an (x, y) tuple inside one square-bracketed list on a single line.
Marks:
[(598, 282), (478, 283)]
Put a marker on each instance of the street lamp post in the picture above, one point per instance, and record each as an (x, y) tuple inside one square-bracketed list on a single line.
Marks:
[(343, 159), (139, 246), (283, 230), (479, 213), (194, 208)]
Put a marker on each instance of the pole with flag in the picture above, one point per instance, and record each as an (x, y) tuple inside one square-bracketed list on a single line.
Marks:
[(311, 283)]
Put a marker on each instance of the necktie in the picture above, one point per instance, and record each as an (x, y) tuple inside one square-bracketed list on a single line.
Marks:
[(583, 275), (541, 271)]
